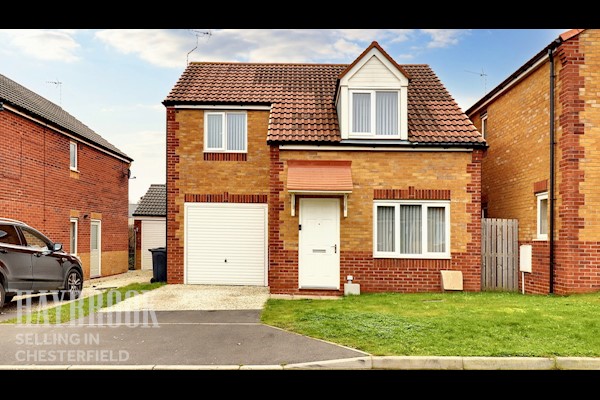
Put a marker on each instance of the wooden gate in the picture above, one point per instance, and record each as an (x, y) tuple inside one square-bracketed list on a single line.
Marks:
[(499, 254)]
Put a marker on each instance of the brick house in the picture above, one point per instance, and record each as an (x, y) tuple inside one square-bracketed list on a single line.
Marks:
[(294, 176), (552, 189), (64, 179), (149, 221)]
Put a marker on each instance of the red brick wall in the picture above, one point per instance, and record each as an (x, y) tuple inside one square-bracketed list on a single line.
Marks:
[(517, 164), (39, 189)]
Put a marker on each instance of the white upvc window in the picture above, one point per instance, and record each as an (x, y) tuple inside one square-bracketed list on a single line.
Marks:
[(542, 216), (484, 125), (411, 229), (73, 236), (375, 113), (73, 155), (225, 131)]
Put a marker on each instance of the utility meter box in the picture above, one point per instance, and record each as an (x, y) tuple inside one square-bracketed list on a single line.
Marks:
[(525, 258)]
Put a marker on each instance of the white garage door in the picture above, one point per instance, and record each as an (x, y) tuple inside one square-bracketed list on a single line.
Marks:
[(226, 244), (153, 235)]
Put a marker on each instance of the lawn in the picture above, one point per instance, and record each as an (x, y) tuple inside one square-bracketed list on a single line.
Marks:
[(84, 306), (448, 324)]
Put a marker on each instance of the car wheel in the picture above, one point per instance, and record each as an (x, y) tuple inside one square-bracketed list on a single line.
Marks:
[(73, 285), (2, 295)]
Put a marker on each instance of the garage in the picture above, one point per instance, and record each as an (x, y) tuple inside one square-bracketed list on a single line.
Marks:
[(153, 235), (226, 244)]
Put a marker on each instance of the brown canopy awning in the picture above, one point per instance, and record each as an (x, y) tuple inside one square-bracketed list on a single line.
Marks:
[(328, 176)]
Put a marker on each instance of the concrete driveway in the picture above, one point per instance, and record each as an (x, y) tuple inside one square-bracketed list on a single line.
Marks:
[(174, 326)]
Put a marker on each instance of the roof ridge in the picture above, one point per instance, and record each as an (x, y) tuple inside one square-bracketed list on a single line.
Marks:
[(266, 63)]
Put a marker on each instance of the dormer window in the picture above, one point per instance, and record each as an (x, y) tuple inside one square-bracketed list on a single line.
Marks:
[(372, 98), (374, 113)]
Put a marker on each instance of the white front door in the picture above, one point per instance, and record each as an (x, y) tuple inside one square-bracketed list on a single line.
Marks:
[(95, 248), (319, 244)]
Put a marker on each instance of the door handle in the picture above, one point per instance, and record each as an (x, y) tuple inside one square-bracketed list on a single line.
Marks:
[(335, 248)]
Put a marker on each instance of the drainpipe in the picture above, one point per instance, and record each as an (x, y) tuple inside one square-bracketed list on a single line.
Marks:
[(551, 188)]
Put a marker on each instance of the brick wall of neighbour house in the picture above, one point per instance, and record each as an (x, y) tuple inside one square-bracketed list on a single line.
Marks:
[(516, 165), (39, 189), (196, 176), (414, 175)]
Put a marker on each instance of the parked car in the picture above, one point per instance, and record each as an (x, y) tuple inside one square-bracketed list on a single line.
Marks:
[(31, 263)]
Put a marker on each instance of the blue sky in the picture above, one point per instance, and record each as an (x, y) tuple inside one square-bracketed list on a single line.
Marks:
[(114, 80)]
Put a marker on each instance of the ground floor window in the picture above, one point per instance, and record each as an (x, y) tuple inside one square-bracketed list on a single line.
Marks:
[(542, 216), (411, 229), (73, 236)]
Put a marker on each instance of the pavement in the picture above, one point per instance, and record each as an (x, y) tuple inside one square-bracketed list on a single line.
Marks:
[(200, 327)]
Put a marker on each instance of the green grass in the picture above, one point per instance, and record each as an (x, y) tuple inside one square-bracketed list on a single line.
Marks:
[(448, 324), (84, 306)]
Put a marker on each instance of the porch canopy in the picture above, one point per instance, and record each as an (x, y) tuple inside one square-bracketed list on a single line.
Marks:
[(319, 177)]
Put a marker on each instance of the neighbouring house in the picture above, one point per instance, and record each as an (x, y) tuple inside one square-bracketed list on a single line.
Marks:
[(542, 125), (64, 179), (296, 176), (150, 224)]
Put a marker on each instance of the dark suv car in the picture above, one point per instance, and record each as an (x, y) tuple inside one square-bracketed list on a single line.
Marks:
[(32, 263)]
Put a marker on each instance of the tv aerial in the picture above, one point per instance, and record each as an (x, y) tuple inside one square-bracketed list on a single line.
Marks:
[(198, 34), (483, 76)]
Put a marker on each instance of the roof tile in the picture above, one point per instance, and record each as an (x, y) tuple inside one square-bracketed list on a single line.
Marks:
[(301, 97), (13, 93)]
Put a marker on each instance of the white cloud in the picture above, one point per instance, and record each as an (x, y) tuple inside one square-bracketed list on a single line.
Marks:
[(170, 48), (42, 44), (444, 37), (160, 47)]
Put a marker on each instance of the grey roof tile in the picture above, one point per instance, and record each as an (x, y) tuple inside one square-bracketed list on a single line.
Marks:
[(14, 94), (153, 203)]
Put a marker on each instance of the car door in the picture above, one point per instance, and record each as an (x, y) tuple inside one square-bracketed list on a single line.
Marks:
[(15, 260), (47, 266)]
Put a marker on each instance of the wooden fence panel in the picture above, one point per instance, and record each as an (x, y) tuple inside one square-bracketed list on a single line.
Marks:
[(499, 254)]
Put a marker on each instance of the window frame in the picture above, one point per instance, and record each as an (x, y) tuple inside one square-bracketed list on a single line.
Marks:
[(73, 249), (484, 118), (223, 115), (539, 198), (373, 93), (73, 145), (425, 204)]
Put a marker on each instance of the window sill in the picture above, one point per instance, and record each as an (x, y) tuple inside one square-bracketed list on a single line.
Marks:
[(74, 174), (416, 257), (223, 156), (540, 240)]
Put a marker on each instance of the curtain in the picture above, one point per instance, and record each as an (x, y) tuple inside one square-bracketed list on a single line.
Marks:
[(236, 132), (410, 229), (385, 228), (386, 113), (436, 229), (214, 137), (361, 112)]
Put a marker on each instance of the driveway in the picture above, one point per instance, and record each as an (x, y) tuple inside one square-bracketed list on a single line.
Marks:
[(173, 326)]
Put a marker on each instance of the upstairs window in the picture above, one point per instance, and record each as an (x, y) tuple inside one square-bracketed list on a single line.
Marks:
[(484, 125), (374, 113), (225, 132), (73, 155)]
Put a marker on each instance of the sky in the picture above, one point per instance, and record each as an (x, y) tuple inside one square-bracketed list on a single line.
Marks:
[(114, 80)]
